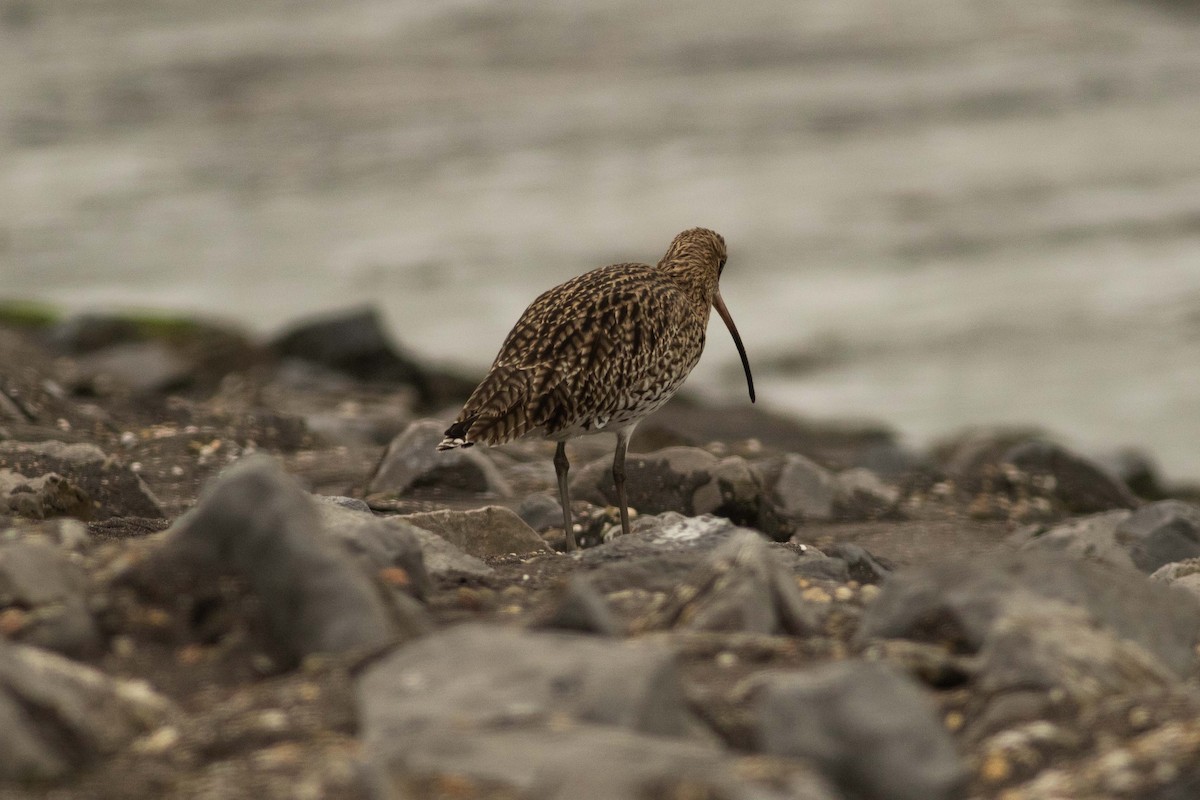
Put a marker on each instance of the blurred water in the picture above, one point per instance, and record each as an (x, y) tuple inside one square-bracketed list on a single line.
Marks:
[(939, 212)]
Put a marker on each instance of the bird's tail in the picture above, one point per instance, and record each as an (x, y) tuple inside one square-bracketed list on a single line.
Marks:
[(496, 412), (456, 435)]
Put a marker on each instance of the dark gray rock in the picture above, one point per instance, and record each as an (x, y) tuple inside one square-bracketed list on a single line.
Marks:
[(861, 564), (541, 512), (541, 714), (1148, 538), (958, 603), (57, 716), (869, 728), (1036, 477), (481, 532), (1081, 485), (353, 342), (805, 490), (1093, 537), (1160, 533), (809, 562), (442, 558), (570, 762), (665, 480), (862, 495), (256, 521), (474, 677), (86, 478), (46, 594), (1048, 646), (582, 609), (741, 587), (378, 543), (412, 461)]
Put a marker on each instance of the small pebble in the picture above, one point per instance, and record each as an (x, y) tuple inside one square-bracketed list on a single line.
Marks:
[(725, 660), (869, 592), (160, 741), (815, 594), (843, 593)]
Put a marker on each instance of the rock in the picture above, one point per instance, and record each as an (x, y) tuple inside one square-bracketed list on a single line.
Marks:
[(736, 493), (541, 512), (1184, 575), (665, 480), (57, 716), (545, 714), (412, 461), (686, 480), (1160, 533), (870, 729), (481, 532), (84, 471), (379, 544), (1018, 472), (1148, 538), (959, 602), (741, 587), (861, 565), (141, 367), (255, 521), (568, 762), (809, 562), (1138, 470), (862, 495), (444, 559), (580, 608), (805, 490), (1048, 647), (44, 497), (353, 342), (472, 677), (1093, 537), (1081, 485), (44, 597)]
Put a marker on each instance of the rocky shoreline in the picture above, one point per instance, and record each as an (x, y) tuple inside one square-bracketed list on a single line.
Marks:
[(238, 569)]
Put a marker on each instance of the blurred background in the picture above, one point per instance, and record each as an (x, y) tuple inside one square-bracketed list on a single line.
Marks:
[(939, 212)]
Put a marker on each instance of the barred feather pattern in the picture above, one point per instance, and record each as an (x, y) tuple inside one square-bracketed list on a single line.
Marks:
[(598, 352)]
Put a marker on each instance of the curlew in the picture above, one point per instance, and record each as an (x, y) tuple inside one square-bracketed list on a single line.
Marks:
[(599, 353)]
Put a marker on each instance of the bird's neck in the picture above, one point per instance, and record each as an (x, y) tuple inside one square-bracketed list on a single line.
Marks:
[(697, 281)]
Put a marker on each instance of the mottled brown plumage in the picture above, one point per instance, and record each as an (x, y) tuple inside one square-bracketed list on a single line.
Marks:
[(598, 353)]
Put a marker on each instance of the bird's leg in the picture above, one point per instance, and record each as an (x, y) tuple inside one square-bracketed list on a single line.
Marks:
[(619, 479), (561, 465)]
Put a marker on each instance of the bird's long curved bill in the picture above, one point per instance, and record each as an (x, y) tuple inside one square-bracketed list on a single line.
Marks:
[(719, 305)]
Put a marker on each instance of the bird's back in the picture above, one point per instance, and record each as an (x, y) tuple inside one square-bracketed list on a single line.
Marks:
[(596, 352)]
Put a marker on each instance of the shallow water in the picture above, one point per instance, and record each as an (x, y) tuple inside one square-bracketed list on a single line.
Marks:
[(939, 213)]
